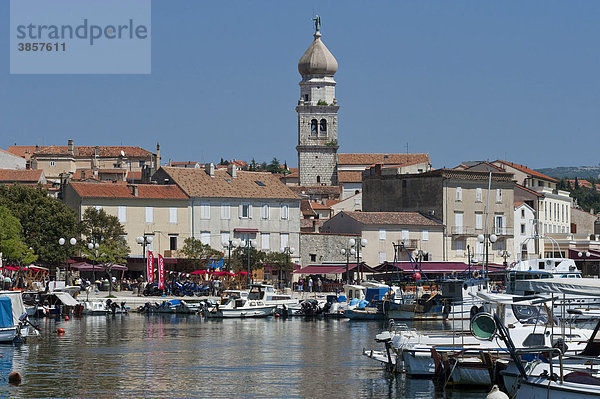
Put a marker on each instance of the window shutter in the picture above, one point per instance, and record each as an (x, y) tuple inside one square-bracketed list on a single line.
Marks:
[(249, 211), (241, 211)]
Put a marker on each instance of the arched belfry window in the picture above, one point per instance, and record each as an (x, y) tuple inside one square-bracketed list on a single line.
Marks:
[(318, 179), (323, 126), (313, 127)]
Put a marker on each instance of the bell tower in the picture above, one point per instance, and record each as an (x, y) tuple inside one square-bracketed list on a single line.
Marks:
[(317, 115)]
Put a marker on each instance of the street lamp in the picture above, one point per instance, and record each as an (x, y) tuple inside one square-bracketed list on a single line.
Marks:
[(487, 238), (248, 244), (62, 242), (229, 245), (143, 241), (354, 246), (94, 246), (505, 254), (287, 251), (348, 252), (584, 256)]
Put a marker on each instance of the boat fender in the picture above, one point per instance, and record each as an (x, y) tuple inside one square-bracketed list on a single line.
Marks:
[(476, 274), (496, 393), (66, 318), (14, 378), (60, 331)]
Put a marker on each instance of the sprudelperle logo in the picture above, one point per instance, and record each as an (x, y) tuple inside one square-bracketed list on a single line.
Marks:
[(80, 37), (85, 31)]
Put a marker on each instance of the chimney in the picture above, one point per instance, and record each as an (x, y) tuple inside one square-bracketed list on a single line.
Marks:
[(210, 169), (71, 147), (134, 190), (232, 170), (157, 161)]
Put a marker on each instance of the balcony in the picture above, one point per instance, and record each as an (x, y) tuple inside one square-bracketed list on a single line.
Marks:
[(462, 231), (411, 243), (503, 231)]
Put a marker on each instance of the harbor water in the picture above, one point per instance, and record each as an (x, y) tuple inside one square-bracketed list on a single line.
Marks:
[(184, 356)]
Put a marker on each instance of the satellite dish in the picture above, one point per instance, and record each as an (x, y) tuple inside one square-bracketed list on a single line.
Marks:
[(122, 153)]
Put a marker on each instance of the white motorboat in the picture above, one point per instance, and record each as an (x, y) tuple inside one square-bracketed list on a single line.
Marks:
[(14, 326), (240, 308), (268, 294), (528, 324)]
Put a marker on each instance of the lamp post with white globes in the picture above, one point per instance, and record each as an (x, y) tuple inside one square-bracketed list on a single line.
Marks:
[(94, 246), (248, 244), (505, 255), (487, 238), (287, 251), (354, 246), (584, 255), (144, 241), (229, 245), (347, 252), (63, 242)]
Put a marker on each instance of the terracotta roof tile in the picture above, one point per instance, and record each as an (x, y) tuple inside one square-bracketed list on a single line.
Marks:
[(317, 190), (20, 175), (319, 206), (350, 176), (385, 159), (111, 190), (306, 209), (395, 218), (80, 151), (518, 204), (525, 169), (530, 191), (198, 183)]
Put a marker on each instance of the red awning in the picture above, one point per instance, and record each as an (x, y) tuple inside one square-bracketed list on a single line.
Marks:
[(324, 269), (432, 267), (574, 254), (242, 230)]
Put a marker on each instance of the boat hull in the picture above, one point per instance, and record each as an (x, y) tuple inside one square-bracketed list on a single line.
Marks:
[(263, 311)]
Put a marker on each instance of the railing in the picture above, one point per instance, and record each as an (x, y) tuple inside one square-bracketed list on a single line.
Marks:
[(462, 231), (503, 231), (411, 243)]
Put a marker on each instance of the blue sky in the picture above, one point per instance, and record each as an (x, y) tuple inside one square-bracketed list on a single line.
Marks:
[(461, 80)]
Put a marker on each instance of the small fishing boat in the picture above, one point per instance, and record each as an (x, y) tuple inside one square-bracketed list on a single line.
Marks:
[(240, 308)]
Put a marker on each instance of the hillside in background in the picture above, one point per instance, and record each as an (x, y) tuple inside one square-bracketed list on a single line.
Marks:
[(571, 172)]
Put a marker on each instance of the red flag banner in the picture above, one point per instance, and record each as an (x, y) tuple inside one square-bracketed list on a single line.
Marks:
[(161, 272), (150, 267)]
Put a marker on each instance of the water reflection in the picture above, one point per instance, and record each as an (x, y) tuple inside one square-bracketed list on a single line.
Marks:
[(185, 356)]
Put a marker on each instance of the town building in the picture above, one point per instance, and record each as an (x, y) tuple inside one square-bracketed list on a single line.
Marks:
[(524, 241), (229, 204), (158, 211), (384, 229), (22, 176), (58, 161), (11, 161), (458, 199)]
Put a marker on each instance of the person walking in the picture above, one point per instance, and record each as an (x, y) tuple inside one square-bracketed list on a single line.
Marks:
[(310, 284), (319, 284)]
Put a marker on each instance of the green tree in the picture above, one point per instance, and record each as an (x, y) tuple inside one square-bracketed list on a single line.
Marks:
[(99, 227), (201, 253), (43, 220), (280, 262), (239, 259), (275, 166), (11, 243)]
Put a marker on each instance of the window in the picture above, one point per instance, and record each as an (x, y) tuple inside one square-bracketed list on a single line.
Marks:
[(522, 213), (313, 127), (172, 215), (318, 179), (285, 238), (284, 212), (357, 201), (382, 257), (458, 222), (122, 214), (142, 163), (459, 193), (478, 221), (478, 194), (522, 228), (382, 234), (173, 243), (149, 214), (264, 213), (323, 127), (540, 183), (479, 250), (498, 195), (459, 248), (205, 211), (225, 212), (245, 211), (500, 224), (545, 211), (266, 240), (306, 97), (205, 237), (313, 257), (425, 235), (225, 237), (404, 234)]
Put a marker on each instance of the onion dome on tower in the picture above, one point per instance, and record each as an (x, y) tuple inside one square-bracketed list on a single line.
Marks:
[(317, 59)]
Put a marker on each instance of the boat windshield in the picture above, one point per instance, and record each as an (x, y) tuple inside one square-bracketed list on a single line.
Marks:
[(530, 314)]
